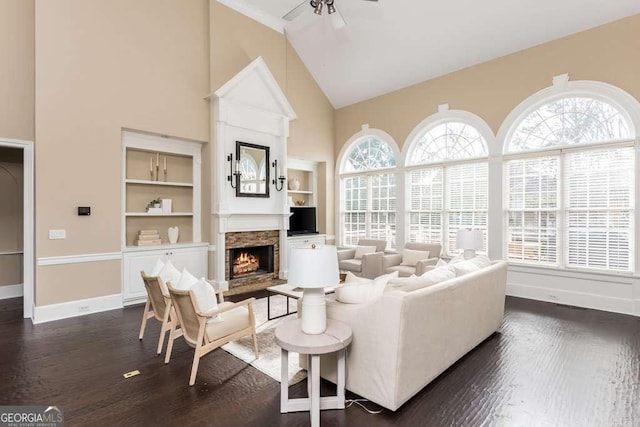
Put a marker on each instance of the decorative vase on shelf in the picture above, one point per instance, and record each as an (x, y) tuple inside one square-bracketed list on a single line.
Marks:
[(173, 233), (294, 184)]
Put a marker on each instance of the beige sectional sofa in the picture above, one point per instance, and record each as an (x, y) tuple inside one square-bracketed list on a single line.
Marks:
[(403, 340)]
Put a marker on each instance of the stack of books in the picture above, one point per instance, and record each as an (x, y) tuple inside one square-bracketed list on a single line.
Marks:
[(148, 238)]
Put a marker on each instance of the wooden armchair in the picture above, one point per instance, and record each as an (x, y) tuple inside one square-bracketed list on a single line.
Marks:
[(159, 306), (202, 332)]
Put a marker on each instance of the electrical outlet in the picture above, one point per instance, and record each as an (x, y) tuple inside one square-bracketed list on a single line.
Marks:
[(57, 234), (83, 308)]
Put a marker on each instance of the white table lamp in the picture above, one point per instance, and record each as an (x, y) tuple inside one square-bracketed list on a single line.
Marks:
[(313, 268), (469, 240)]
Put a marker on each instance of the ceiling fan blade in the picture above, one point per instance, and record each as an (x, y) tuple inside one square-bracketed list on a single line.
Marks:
[(296, 11), (371, 0), (337, 20)]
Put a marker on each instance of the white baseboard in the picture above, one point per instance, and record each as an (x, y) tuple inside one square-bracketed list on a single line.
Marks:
[(578, 299), (48, 313), (134, 301), (11, 291)]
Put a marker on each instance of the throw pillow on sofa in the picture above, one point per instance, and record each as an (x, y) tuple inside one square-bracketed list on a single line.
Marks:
[(358, 290), (187, 280), (411, 257), (363, 250), (431, 277), (465, 267), (481, 261)]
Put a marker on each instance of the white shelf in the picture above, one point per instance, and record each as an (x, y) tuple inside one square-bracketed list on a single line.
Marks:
[(164, 246), (160, 183), (133, 214), (300, 191)]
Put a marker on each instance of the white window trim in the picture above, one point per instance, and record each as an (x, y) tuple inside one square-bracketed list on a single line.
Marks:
[(444, 115), (365, 132), (628, 106)]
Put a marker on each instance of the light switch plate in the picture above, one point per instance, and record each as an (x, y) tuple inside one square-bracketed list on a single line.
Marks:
[(57, 234)]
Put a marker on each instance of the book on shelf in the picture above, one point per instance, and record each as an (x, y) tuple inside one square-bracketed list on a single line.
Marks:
[(148, 238), (148, 242), (143, 232)]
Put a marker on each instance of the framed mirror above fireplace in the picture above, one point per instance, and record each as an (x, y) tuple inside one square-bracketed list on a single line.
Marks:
[(253, 162)]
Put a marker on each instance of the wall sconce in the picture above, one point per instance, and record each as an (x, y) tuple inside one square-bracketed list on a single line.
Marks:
[(277, 178), (233, 174)]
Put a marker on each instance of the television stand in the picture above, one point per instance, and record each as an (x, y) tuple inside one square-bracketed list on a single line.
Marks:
[(306, 240)]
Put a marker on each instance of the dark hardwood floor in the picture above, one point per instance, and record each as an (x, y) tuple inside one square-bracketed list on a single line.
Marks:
[(548, 365)]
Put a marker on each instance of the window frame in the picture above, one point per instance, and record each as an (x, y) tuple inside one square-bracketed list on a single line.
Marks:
[(342, 175), (603, 92), (445, 116)]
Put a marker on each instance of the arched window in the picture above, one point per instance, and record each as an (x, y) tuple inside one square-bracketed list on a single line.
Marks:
[(569, 200), (368, 191), (249, 169), (447, 174)]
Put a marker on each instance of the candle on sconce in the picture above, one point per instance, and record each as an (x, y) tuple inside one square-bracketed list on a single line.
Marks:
[(151, 164), (165, 162), (237, 165), (157, 159)]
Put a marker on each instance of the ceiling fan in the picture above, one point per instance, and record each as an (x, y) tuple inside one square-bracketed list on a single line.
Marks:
[(316, 6)]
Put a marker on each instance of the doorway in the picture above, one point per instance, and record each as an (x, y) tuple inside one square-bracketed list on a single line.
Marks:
[(17, 222)]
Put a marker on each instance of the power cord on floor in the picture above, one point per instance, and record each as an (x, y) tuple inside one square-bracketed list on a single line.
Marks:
[(350, 402)]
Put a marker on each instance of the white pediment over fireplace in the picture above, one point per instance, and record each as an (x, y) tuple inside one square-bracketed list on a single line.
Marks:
[(256, 87), (251, 107)]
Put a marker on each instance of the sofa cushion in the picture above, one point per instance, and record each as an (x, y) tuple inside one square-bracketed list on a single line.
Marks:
[(234, 320), (481, 261), (351, 265), (409, 284), (358, 290), (404, 270), (411, 257), (465, 267), (361, 250)]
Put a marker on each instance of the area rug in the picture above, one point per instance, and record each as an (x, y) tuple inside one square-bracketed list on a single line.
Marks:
[(268, 360)]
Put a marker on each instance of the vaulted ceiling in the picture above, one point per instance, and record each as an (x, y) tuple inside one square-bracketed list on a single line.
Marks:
[(391, 44)]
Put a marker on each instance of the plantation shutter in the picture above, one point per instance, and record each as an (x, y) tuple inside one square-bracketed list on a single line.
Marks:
[(599, 208), (426, 204), (532, 209), (467, 194), (354, 209)]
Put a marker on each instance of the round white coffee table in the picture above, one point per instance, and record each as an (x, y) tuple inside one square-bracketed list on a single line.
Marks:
[(336, 338)]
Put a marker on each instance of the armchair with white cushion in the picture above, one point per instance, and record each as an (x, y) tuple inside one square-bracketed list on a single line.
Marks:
[(365, 259), (415, 258)]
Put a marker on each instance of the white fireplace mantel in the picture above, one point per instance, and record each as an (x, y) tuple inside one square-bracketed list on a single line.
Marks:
[(252, 108)]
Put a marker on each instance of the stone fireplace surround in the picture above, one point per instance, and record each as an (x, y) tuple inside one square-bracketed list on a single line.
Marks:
[(246, 239)]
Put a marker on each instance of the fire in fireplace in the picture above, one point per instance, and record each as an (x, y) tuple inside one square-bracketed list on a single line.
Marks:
[(250, 261)]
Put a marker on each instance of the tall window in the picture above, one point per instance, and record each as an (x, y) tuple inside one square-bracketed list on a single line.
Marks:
[(571, 202), (368, 192), (448, 184)]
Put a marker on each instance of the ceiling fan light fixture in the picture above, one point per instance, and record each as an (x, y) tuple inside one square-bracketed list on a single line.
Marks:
[(330, 7), (318, 7)]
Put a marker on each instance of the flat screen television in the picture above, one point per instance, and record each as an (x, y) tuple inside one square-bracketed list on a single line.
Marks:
[(302, 220)]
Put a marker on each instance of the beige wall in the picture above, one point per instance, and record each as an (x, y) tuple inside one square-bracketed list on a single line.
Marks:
[(102, 66), (11, 214), (492, 89), (16, 69), (236, 41)]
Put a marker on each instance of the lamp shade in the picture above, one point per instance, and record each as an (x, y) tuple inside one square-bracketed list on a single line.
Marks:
[(468, 238), (313, 267)]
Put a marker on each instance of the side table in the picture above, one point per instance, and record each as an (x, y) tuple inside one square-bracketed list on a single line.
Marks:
[(336, 338)]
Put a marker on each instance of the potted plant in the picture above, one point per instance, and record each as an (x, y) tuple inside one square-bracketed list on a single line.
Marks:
[(155, 203)]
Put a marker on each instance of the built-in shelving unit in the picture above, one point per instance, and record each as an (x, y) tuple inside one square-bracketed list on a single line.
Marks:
[(306, 173), (144, 179)]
